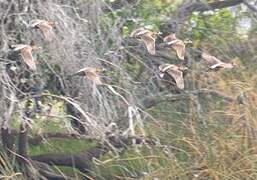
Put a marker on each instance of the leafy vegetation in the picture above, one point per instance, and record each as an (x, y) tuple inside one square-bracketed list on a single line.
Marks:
[(208, 132)]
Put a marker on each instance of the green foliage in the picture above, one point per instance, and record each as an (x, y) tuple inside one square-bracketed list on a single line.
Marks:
[(61, 145), (145, 163), (7, 169), (209, 26)]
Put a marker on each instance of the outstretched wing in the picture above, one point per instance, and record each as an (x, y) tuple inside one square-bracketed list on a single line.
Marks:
[(218, 65), (212, 60), (138, 32), (47, 31), (80, 72), (149, 43), (18, 47), (26, 54), (93, 76), (177, 75), (35, 22), (180, 48)]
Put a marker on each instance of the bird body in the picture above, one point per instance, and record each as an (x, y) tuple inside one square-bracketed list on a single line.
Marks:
[(46, 28), (147, 36), (175, 71), (216, 63), (91, 73), (26, 54), (177, 44)]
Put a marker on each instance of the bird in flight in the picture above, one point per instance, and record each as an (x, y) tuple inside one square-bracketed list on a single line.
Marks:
[(215, 63), (26, 53), (147, 36), (177, 44), (175, 71), (46, 27), (91, 73)]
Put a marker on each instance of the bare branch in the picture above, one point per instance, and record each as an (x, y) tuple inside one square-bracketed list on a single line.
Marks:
[(188, 7)]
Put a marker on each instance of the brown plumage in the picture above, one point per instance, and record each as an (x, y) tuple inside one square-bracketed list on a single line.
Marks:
[(46, 27), (147, 36), (26, 54), (91, 73), (215, 63), (177, 44), (175, 71)]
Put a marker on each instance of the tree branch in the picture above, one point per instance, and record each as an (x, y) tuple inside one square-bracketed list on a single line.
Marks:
[(218, 5), (188, 7), (252, 7), (81, 161)]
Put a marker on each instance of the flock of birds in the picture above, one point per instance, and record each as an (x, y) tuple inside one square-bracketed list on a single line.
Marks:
[(148, 37), (176, 70), (46, 27)]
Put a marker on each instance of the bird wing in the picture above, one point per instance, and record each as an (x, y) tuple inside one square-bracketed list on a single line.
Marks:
[(26, 54), (18, 47), (35, 22), (217, 65), (149, 43), (172, 42), (81, 72), (93, 76), (177, 75), (212, 60), (180, 48), (222, 65), (138, 32), (47, 31)]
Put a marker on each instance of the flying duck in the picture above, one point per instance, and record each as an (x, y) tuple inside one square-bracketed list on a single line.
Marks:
[(91, 73), (175, 71), (215, 63), (177, 44), (147, 36), (26, 53), (46, 27)]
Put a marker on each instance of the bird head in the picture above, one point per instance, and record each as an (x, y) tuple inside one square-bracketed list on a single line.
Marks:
[(33, 45), (182, 68), (98, 69), (52, 23), (234, 64)]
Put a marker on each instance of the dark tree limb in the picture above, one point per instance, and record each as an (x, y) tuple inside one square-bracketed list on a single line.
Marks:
[(251, 7), (8, 140), (23, 141), (47, 172), (81, 161), (218, 5), (188, 7)]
